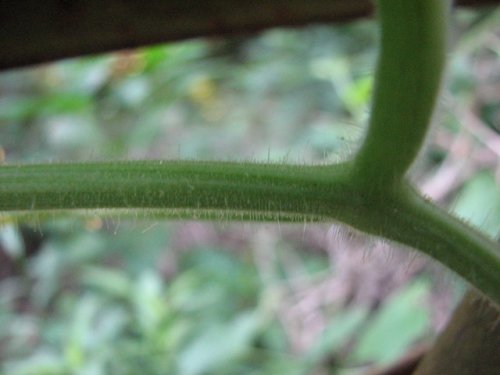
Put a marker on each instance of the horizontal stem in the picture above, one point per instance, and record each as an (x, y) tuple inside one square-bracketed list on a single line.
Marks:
[(246, 191), (182, 187)]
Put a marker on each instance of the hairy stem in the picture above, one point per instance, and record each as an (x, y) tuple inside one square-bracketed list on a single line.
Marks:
[(407, 218), (259, 192), (407, 81), (217, 190)]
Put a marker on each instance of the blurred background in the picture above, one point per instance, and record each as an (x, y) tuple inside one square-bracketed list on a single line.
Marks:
[(120, 295)]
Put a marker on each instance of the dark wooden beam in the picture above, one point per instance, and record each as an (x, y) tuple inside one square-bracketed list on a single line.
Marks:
[(36, 31), (470, 343)]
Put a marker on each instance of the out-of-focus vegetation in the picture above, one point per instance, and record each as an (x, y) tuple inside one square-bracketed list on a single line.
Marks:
[(126, 295)]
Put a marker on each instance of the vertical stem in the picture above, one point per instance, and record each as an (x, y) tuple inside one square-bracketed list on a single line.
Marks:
[(407, 81)]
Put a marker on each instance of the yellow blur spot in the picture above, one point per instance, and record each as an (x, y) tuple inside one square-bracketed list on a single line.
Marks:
[(6, 220), (93, 224), (2, 155), (203, 91)]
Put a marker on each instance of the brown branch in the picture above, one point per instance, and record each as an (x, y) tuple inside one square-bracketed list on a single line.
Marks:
[(34, 31), (470, 344)]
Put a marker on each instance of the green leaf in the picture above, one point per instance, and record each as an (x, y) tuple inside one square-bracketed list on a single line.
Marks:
[(400, 322), (113, 283), (479, 203), (219, 344), (340, 328)]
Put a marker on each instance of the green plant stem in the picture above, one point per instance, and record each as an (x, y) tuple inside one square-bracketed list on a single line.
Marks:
[(259, 192), (407, 218), (217, 190), (407, 80)]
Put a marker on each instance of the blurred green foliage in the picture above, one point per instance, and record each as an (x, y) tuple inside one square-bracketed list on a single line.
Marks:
[(125, 296)]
